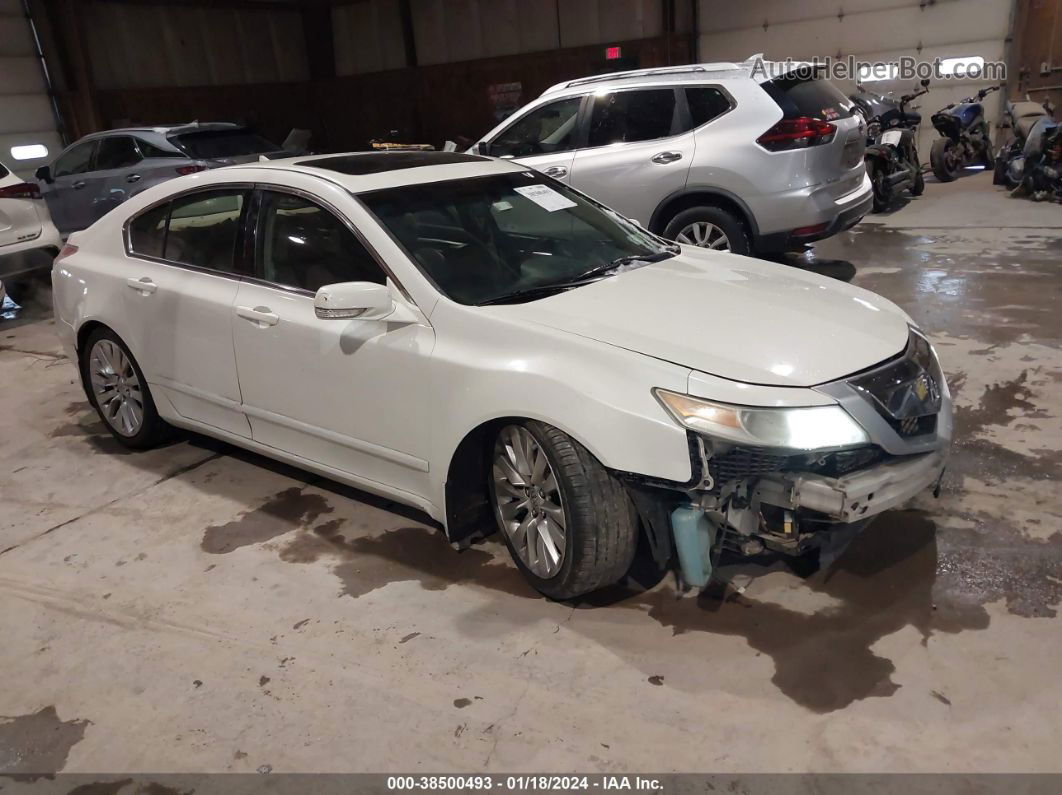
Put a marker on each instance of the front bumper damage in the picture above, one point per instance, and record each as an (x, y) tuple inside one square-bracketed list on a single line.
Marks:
[(746, 501)]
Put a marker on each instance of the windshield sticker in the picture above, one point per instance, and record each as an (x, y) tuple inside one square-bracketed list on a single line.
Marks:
[(501, 205), (545, 197)]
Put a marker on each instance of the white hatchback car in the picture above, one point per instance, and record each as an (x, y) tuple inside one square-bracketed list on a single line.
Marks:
[(24, 221), (472, 338)]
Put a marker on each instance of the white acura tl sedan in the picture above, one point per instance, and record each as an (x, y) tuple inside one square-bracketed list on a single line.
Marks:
[(475, 339)]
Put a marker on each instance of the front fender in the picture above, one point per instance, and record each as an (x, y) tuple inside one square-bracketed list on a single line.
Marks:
[(486, 368)]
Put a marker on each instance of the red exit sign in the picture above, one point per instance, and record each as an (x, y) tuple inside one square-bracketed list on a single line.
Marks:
[(613, 53)]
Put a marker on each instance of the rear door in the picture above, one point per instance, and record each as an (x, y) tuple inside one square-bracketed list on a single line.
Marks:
[(638, 150), (180, 282), (544, 138), (18, 216), (838, 163), (68, 201)]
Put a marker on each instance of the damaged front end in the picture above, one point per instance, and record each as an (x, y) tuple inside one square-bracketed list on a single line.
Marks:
[(794, 480)]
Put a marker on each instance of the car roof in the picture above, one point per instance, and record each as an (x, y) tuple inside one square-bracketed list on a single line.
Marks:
[(687, 73), (163, 130), (359, 172)]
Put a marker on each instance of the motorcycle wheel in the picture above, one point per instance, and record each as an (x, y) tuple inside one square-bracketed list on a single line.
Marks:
[(943, 160), (999, 172), (882, 188)]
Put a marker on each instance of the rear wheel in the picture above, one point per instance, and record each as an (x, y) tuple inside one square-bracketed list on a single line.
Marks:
[(882, 189), (119, 392), (944, 158), (709, 227), (568, 523)]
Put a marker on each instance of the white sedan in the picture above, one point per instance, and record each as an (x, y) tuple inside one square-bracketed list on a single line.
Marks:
[(472, 338)]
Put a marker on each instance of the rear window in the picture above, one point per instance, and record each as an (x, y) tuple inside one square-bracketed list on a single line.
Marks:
[(818, 99), (705, 104), (215, 144)]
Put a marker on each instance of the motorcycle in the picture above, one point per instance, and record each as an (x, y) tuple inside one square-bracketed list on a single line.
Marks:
[(1038, 172), (964, 137), (1021, 118), (891, 157)]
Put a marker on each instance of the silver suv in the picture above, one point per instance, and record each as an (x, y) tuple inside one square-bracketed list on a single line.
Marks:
[(717, 155), (101, 170)]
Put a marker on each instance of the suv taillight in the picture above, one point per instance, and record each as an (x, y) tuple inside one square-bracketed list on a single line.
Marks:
[(797, 133), (23, 190)]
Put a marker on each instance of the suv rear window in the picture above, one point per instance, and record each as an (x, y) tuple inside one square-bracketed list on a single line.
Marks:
[(705, 104), (818, 99), (214, 144)]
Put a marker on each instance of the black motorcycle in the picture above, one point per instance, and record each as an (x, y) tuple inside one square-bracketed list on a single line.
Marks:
[(1020, 117), (891, 156), (964, 137), (1038, 172)]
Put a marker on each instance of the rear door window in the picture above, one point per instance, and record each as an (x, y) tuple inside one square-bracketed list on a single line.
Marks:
[(203, 229), (629, 116), (705, 103), (116, 152), (147, 232), (551, 128), (818, 99)]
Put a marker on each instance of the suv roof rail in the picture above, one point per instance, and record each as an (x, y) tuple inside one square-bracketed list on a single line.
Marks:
[(659, 70)]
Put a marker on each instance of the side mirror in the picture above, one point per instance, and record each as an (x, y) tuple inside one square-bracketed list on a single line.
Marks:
[(481, 148), (925, 82), (44, 174), (347, 300)]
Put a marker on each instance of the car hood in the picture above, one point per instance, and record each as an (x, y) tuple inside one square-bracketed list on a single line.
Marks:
[(734, 317)]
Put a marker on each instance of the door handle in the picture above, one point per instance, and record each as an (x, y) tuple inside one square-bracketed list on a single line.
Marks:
[(667, 157), (142, 285), (260, 315), (133, 178), (556, 171), (79, 184)]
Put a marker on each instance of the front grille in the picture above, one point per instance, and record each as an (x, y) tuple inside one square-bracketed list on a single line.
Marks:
[(739, 463), (914, 426)]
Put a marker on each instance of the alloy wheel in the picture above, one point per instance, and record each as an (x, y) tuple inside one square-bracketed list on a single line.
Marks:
[(704, 234), (528, 502), (116, 387)]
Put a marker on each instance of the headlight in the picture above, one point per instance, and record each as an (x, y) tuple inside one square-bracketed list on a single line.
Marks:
[(810, 428)]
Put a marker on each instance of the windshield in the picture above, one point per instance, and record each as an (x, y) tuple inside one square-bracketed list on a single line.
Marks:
[(509, 236), (215, 144)]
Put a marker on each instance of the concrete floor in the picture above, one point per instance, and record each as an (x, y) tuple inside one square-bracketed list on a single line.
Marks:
[(197, 608)]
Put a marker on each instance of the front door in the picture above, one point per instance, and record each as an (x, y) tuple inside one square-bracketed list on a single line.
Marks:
[(347, 394), (179, 286), (544, 139), (635, 155), (68, 200)]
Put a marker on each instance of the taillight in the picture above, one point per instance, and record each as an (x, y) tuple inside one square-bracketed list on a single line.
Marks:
[(68, 249), (184, 170), (797, 134), (23, 190)]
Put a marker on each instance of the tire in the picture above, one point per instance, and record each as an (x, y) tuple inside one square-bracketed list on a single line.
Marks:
[(730, 225), (600, 532), (151, 429), (939, 160), (882, 190)]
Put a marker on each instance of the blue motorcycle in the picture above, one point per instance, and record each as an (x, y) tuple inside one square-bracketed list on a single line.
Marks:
[(964, 137)]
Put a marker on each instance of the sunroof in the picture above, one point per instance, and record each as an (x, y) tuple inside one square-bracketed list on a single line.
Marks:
[(377, 162)]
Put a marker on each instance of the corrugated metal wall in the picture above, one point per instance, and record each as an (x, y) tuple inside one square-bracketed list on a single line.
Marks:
[(152, 45), (867, 29), (368, 33), (26, 115)]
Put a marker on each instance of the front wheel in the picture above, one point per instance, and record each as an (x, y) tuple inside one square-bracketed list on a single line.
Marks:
[(945, 160), (568, 522), (119, 392)]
